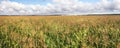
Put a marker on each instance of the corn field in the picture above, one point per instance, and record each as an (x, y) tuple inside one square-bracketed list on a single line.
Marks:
[(60, 32)]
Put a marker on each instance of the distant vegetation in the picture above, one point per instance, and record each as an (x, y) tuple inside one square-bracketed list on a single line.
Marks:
[(89, 14), (60, 32)]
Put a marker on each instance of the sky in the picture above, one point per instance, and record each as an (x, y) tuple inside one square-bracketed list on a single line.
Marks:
[(54, 7)]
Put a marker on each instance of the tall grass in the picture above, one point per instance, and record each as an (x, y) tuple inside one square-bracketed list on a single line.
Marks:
[(60, 32)]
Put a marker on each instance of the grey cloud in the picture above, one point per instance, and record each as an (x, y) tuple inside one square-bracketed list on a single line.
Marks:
[(59, 7)]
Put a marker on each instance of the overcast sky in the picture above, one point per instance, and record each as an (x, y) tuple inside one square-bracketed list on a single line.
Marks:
[(46, 7)]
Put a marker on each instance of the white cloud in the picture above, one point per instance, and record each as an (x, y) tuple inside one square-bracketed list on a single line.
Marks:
[(116, 4), (59, 7)]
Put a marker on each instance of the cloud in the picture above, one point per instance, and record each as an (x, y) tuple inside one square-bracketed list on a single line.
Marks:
[(116, 4), (59, 7)]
